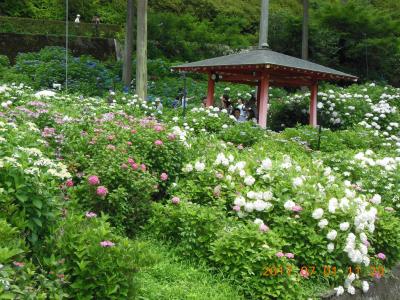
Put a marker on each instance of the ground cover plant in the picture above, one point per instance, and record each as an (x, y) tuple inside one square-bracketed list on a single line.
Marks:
[(267, 215)]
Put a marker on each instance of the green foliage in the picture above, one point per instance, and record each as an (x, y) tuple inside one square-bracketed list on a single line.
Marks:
[(387, 233), (54, 27), (246, 254), (4, 61), (95, 271), (189, 226), (245, 134), (10, 245), (333, 141)]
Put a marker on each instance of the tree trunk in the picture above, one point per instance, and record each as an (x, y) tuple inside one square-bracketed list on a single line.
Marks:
[(304, 40), (141, 50), (127, 66)]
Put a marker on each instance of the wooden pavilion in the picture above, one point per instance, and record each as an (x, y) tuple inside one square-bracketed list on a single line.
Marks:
[(264, 68)]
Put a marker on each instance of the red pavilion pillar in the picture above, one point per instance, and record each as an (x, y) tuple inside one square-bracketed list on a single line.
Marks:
[(313, 104), (263, 108), (210, 93)]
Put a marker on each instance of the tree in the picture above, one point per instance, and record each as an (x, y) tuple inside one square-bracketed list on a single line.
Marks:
[(141, 50), (304, 40), (127, 66)]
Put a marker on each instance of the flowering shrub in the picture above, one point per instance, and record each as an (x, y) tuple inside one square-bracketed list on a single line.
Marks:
[(28, 183), (98, 263)]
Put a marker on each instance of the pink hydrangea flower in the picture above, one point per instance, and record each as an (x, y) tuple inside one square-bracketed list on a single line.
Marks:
[(164, 176), (236, 208), (90, 214), (304, 273), (107, 244), (263, 228), (69, 183), (158, 143), (18, 264), (130, 160), (133, 131), (143, 167), (134, 166), (93, 180), (366, 243), (102, 191), (171, 136), (175, 200), (280, 254), (129, 143), (297, 208), (289, 255), (381, 256), (158, 128)]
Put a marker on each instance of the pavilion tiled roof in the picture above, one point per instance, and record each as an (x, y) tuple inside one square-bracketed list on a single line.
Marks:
[(267, 57)]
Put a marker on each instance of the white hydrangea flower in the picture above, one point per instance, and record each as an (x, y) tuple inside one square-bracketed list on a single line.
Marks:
[(298, 181), (289, 205), (249, 180), (240, 201), (258, 221), (266, 164), (331, 247), (344, 204), (333, 205), (323, 223), (260, 205), (267, 195), (318, 213), (376, 199), (249, 206), (344, 226), (332, 235), (199, 166)]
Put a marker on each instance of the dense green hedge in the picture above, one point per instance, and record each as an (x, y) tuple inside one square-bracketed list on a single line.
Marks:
[(53, 27)]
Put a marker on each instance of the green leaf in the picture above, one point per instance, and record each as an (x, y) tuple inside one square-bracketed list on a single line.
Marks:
[(37, 203), (37, 222)]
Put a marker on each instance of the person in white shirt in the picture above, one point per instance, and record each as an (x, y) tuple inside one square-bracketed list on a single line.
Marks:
[(158, 104), (238, 116)]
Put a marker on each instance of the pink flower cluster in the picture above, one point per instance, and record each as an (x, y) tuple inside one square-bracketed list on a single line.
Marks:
[(381, 256), (164, 176), (69, 183), (263, 228), (101, 191), (158, 143), (18, 264), (297, 208), (48, 131), (158, 128), (171, 136), (93, 180), (175, 200), (281, 254), (107, 244), (90, 214)]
